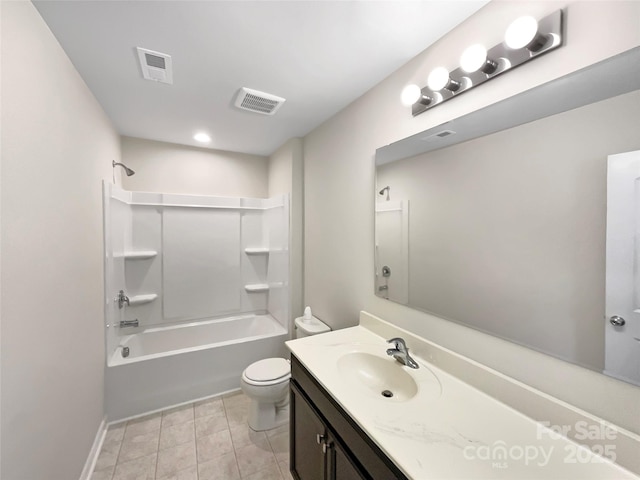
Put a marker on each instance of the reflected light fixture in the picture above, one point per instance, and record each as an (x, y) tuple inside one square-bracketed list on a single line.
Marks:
[(525, 39), (202, 137)]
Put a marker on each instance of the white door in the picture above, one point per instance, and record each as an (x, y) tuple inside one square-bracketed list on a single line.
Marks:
[(622, 307)]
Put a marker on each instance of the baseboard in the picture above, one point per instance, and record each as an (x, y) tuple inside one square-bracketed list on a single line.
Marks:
[(174, 405), (95, 450)]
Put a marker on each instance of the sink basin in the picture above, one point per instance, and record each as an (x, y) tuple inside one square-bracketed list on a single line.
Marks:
[(382, 377)]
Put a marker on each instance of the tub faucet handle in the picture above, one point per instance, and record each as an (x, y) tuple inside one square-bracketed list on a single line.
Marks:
[(122, 299)]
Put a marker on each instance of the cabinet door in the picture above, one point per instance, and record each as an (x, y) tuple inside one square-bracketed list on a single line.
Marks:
[(308, 434), (339, 465)]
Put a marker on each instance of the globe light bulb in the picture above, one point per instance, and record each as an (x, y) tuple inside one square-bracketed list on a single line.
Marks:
[(438, 79), (521, 32), (410, 95), (473, 58)]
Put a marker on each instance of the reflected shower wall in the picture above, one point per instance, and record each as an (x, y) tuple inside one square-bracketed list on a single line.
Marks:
[(392, 250)]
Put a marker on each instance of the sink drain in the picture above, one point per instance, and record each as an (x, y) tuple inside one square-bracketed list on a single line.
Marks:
[(387, 393)]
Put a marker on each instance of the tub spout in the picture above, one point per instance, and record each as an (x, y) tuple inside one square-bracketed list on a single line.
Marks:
[(125, 350)]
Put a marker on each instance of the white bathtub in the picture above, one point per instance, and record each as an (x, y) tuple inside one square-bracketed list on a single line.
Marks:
[(175, 364)]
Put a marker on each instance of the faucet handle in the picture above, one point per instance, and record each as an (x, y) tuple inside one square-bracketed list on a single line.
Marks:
[(398, 343)]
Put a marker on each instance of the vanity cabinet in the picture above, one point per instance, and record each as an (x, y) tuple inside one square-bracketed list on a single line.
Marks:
[(326, 444)]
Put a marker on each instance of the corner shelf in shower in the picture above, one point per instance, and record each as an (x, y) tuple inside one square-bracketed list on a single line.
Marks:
[(257, 288), (142, 299), (256, 251), (139, 254)]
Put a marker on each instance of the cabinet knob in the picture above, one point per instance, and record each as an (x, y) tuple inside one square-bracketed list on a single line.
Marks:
[(320, 439), (326, 447)]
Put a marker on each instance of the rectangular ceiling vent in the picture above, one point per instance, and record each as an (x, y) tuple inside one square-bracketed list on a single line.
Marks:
[(439, 135), (258, 102), (155, 66)]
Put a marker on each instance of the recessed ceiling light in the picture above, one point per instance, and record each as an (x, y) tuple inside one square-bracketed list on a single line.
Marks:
[(202, 137)]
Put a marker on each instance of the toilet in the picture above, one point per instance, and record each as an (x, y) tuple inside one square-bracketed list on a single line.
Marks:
[(266, 382)]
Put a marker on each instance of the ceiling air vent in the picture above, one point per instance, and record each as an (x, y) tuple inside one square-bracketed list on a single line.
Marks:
[(258, 102), (439, 135), (155, 66)]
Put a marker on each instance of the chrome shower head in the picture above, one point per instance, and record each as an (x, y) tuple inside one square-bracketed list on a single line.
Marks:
[(385, 189), (127, 170)]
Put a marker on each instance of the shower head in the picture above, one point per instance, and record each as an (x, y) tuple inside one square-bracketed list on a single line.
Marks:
[(127, 170), (381, 192)]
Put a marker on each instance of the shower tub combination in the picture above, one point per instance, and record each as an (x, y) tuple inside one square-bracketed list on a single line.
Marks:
[(206, 287), (176, 364)]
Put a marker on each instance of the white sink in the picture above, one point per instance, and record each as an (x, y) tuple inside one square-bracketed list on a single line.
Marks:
[(378, 376)]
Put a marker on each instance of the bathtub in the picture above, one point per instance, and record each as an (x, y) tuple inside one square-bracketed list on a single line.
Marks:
[(175, 364)]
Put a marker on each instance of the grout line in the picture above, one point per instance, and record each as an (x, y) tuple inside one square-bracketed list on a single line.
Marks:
[(235, 454), (195, 439), (226, 409)]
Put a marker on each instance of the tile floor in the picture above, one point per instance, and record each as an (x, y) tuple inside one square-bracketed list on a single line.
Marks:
[(207, 440)]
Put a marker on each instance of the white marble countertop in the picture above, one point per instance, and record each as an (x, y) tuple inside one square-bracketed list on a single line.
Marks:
[(448, 430)]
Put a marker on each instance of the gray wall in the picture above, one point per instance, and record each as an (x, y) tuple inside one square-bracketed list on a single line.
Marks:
[(57, 146), (339, 192), (170, 168), (285, 176), (507, 232)]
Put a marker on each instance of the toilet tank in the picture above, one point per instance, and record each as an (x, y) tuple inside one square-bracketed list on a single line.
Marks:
[(312, 327)]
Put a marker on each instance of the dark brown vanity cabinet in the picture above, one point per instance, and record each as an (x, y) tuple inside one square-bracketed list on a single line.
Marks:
[(326, 444)]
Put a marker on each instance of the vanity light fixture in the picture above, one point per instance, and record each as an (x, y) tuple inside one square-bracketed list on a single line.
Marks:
[(525, 39)]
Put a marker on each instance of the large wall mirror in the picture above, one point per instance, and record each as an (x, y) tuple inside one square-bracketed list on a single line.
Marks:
[(504, 220)]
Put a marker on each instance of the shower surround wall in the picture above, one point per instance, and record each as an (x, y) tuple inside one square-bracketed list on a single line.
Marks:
[(207, 281)]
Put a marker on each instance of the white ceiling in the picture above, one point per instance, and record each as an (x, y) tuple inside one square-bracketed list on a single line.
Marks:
[(318, 55)]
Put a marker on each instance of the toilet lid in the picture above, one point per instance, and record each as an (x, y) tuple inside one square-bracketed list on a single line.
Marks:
[(268, 369)]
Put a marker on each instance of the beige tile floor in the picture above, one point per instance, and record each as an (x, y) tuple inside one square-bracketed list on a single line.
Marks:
[(207, 440)]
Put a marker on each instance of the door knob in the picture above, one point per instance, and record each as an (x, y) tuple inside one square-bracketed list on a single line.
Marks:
[(617, 321)]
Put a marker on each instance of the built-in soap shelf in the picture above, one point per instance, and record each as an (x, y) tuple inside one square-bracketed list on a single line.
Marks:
[(142, 299), (257, 287), (256, 250), (139, 254)]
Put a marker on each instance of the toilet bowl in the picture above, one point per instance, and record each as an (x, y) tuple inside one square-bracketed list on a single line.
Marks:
[(266, 383)]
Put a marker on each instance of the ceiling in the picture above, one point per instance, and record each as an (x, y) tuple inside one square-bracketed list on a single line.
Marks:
[(318, 55)]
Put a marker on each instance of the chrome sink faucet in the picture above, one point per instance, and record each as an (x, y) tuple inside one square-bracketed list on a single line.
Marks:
[(401, 353)]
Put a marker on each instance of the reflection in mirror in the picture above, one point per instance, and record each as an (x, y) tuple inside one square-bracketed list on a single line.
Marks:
[(392, 248), (506, 231)]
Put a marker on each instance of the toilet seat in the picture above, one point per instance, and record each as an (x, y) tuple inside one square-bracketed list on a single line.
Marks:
[(269, 371)]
